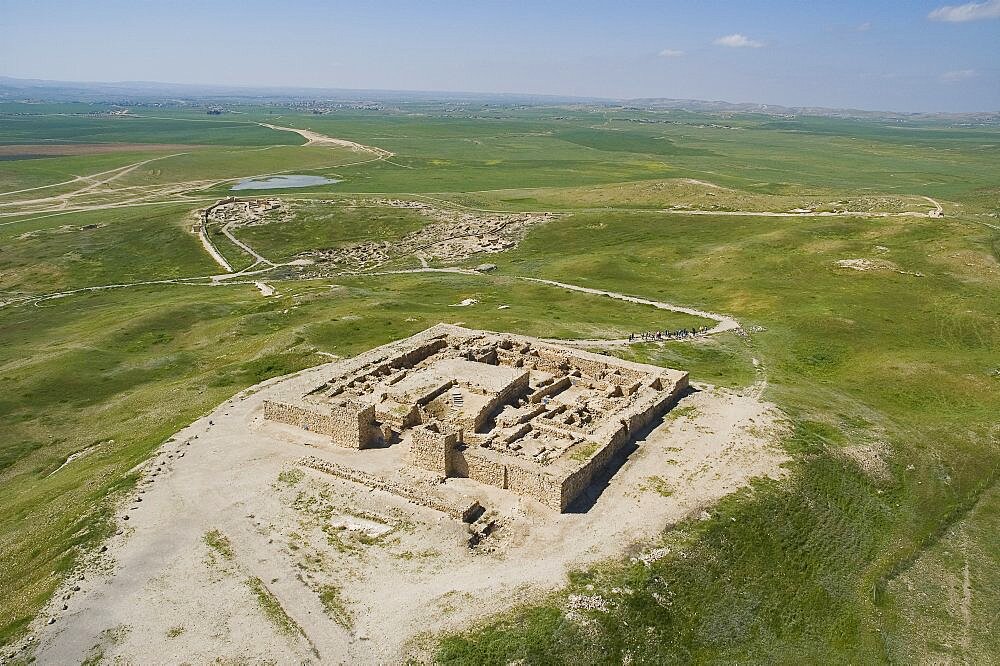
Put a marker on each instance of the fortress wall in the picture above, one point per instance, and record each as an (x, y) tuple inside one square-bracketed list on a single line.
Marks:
[(589, 367), (399, 418), (410, 357), (350, 425), (395, 355), (535, 483), (611, 441)]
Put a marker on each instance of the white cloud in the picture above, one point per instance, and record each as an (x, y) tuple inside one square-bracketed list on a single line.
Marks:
[(736, 40), (865, 27), (970, 11), (958, 75), (671, 53)]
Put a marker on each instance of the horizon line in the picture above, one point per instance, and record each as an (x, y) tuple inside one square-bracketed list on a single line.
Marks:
[(219, 87)]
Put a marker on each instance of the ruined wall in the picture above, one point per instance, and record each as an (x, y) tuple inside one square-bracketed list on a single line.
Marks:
[(432, 450), (494, 469), (612, 438), (556, 386), (350, 425), (482, 465), (551, 360), (536, 483), (399, 416), (610, 441), (511, 392), (652, 406), (463, 509)]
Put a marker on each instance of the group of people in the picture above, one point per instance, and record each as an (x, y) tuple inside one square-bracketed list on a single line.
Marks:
[(667, 335)]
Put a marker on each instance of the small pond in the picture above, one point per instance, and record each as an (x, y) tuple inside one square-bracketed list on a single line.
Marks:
[(282, 182)]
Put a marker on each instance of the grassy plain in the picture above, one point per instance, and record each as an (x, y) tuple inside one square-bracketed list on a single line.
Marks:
[(896, 367)]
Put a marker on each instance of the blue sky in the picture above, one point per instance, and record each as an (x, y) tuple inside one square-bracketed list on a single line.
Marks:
[(878, 54)]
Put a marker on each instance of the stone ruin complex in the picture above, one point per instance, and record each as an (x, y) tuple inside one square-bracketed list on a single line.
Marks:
[(513, 412)]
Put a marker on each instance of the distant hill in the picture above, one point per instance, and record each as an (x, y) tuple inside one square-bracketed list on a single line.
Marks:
[(655, 103), (136, 92)]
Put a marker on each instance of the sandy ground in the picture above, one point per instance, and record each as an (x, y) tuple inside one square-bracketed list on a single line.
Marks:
[(391, 574)]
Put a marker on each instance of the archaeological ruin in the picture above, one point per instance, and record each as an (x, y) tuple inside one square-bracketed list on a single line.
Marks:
[(517, 413)]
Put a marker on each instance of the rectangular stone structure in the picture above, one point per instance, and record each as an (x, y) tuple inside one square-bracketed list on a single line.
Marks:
[(349, 425), (528, 416)]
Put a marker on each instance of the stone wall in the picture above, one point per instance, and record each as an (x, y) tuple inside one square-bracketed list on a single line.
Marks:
[(613, 437), (464, 509), (482, 465), (558, 385), (432, 449), (349, 425), (610, 442), (515, 389), (653, 404), (532, 482)]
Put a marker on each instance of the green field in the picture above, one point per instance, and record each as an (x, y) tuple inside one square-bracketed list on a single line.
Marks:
[(900, 362)]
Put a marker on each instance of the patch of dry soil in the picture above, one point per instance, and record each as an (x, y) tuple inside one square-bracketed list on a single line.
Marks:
[(232, 552)]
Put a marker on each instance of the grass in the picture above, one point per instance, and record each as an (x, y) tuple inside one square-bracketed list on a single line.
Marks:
[(688, 411), (291, 477), (659, 485), (122, 246), (272, 608), (333, 603), (219, 543), (787, 572), (583, 451), (830, 565)]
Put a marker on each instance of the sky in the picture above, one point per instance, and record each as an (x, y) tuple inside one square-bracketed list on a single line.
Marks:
[(893, 55)]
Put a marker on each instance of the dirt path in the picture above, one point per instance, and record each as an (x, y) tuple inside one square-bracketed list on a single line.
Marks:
[(750, 213), (212, 250), (93, 181), (246, 248), (724, 322), (938, 210), (317, 139)]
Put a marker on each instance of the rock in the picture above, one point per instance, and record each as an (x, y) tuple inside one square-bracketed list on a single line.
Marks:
[(52, 620), (486, 268)]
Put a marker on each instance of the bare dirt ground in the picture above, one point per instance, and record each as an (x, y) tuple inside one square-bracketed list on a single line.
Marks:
[(231, 552)]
